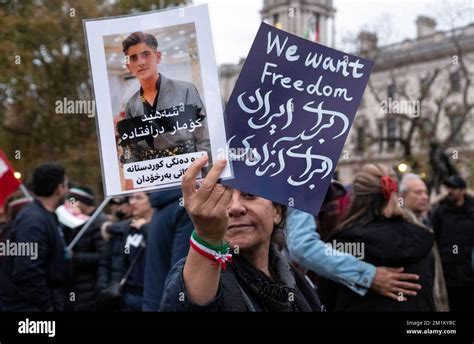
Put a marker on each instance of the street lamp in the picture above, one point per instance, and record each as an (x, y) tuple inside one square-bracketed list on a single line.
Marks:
[(17, 175), (402, 168)]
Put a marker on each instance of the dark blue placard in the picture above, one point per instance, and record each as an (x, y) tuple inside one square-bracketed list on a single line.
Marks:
[(289, 115)]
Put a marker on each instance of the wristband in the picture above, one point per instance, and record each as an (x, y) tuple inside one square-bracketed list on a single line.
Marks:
[(217, 253)]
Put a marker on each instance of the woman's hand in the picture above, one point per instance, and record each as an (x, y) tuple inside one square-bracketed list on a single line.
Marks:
[(207, 206)]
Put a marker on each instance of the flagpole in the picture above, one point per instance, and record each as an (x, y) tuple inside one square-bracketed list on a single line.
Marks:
[(25, 192), (88, 223)]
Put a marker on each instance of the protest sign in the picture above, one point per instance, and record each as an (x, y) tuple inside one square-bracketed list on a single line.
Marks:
[(157, 97), (289, 115)]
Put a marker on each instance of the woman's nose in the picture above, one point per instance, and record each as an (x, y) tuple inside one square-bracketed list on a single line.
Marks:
[(236, 206)]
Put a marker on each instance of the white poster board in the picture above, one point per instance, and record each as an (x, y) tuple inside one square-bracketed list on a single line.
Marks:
[(158, 102)]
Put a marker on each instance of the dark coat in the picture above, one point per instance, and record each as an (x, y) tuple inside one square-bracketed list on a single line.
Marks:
[(85, 263), (168, 242), (115, 260), (390, 243), (36, 284), (232, 296), (454, 230), (112, 265)]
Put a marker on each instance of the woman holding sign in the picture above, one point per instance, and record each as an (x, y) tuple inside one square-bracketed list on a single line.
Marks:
[(233, 263)]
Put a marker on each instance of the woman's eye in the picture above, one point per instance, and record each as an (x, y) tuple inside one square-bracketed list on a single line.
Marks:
[(247, 195)]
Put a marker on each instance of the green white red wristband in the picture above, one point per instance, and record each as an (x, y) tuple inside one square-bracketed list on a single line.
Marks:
[(219, 254)]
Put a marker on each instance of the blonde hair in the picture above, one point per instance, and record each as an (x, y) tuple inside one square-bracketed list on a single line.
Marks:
[(368, 202)]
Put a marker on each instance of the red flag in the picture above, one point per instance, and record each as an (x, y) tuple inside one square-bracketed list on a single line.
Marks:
[(8, 182)]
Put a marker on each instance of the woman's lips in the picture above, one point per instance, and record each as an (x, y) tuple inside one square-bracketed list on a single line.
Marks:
[(239, 226)]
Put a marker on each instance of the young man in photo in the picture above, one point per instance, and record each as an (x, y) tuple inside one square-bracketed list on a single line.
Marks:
[(156, 94)]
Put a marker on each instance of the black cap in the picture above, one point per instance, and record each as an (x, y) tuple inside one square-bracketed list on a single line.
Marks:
[(455, 182), (83, 194), (118, 200)]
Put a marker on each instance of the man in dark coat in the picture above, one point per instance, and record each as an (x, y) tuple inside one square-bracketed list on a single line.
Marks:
[(37, 281), (453, 223)]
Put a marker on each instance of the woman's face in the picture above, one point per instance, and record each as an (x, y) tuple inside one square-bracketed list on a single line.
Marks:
[(251, 220)]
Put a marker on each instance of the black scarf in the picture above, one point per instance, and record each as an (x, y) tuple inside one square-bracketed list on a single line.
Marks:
[(279, 295)]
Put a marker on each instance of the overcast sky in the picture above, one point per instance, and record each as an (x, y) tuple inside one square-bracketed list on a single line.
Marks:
[(235, 22)]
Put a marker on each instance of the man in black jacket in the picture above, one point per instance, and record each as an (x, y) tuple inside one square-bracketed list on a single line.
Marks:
[(453, 223), (35, 281)]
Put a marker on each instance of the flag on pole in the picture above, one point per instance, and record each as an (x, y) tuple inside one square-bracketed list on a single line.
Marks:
[(8, 182)]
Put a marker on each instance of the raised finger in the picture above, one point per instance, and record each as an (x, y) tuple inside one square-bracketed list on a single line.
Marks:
[(188, 183), (211, 179)]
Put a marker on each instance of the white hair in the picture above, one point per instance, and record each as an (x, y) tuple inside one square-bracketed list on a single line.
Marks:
[(405, 180)]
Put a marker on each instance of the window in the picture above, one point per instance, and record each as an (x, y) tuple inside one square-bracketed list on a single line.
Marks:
[(427, 127), (455, 80), (391, 133), (380, 133), (391, 91), (276, 19), (455, 121), (360, 143)]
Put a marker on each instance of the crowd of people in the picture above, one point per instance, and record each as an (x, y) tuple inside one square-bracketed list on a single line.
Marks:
[(376, 245)]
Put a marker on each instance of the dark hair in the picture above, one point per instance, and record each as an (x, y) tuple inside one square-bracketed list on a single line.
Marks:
[(46, 179), (139, 37), (278, 234)]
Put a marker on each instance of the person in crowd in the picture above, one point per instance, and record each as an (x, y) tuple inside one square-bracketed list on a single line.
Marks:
[(453, 224), (415, 198), (255, 277), (38, 279), (383, 234), (125, 253), (168, 242), (333, 209), (119, 210), (308, 251), (86, 253), (12, 207)]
